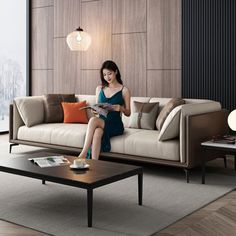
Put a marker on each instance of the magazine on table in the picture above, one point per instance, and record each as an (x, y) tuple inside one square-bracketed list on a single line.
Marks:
[(226, 139), (100, 108), (50, 161)]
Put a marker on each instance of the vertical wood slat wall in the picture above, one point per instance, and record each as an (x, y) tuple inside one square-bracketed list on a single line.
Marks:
[(42, 48), (209, 52), (142, 36)]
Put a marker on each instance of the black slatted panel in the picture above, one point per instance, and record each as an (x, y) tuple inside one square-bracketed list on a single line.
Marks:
[(208, 50)]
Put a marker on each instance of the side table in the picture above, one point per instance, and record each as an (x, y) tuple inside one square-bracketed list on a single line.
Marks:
[(223, 147)]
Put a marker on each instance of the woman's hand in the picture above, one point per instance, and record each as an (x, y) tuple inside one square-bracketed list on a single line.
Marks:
[(94, 112)]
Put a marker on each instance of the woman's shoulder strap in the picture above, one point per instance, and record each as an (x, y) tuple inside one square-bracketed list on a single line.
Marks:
[(125, 90)]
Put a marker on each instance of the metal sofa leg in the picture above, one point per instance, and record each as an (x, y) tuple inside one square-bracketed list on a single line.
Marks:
[(11, 145), (187, 173)]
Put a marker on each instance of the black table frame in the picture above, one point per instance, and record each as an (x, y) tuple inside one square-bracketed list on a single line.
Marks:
[(137, 170), (227, 150)]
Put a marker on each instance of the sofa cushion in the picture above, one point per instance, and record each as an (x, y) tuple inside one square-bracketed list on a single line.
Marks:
[(174, 102), (73, 113), (144, 115), (171, 126), (118, 142), (53, 107), (144, 143), (31, 109), (71, 135)]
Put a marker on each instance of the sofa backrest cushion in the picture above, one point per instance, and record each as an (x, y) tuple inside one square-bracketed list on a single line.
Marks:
[(53, 107), (125, 119), (174, 102), (31, 109), (73, 112), (144, 115), (170, 128)]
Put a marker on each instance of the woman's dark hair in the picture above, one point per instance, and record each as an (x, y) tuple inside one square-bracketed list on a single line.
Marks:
[(110, 65)]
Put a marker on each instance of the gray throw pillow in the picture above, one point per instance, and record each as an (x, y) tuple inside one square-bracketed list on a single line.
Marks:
[(53, 107), (144, 115), (31, 109), (174, 102)]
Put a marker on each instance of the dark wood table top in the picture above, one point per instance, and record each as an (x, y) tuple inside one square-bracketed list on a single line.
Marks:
[(99, 172)]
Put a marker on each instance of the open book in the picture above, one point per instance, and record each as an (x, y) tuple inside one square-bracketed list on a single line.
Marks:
[(50, 161), (100, 108)]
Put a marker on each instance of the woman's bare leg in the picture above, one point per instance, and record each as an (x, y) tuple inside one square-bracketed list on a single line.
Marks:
[(97, 138), (93, 124)]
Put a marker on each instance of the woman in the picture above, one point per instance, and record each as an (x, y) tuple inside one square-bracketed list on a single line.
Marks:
[(101, 129)]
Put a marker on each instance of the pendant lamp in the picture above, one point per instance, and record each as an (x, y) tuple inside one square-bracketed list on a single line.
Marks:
[(78, 40)]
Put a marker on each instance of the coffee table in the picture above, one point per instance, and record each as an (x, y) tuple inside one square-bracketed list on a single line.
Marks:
[(99, 173)]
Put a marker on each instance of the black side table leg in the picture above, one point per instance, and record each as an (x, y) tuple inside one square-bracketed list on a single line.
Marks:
[(90, 206), (203, 169), (140, 188), (235, 162), (225, 161), (43, 181)]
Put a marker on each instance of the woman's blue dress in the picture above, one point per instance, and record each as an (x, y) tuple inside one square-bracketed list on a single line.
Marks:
[(113, 122)]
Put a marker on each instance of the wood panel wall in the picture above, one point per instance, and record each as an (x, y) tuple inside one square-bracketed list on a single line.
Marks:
[(142, 36)]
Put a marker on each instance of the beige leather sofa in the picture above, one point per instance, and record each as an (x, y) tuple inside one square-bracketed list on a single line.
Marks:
[(187, 127)]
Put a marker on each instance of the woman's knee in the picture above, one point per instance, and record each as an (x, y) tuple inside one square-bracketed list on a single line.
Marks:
[(98, 133), (92, 120), (95, 121)]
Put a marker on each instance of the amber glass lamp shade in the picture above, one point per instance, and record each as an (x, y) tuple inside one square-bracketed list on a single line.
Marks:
[(78, 40)]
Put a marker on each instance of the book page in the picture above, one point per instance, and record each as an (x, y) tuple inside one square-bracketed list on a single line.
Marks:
[(100, 108)]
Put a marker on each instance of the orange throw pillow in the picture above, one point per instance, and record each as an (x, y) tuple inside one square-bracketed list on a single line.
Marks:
[(73, 114)]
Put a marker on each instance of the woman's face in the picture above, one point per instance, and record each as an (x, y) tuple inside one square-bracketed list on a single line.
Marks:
[(109, 75)]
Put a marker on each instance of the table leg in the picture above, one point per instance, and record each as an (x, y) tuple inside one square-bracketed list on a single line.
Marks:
[(90, 206), (235, 162), (225, 161), (140, 188), (203, 169)]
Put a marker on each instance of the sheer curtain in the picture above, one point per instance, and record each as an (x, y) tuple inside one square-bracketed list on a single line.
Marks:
[(13, 55)]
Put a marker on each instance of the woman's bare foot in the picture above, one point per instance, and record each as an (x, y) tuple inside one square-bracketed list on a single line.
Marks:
[(81, 156)]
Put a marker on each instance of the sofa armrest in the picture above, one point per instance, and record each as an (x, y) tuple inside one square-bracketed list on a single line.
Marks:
[(193, 109), (15, 122), (200, 128)]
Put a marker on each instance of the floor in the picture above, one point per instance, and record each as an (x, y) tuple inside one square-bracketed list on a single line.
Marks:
[(217, 218)]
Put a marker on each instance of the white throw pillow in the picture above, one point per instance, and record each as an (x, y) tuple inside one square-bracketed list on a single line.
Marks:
[(170, 128), (31, 110)]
